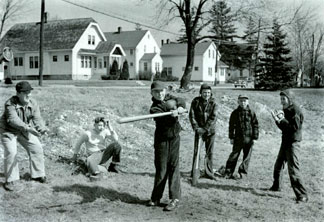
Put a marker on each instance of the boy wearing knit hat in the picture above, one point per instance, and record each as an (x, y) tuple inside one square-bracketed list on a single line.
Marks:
[(290, 122), (202, 117)]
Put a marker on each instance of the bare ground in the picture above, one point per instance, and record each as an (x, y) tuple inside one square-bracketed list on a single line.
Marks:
[(122, 197)]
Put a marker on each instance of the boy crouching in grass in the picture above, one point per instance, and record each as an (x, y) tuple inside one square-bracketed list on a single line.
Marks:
[(97, 153)]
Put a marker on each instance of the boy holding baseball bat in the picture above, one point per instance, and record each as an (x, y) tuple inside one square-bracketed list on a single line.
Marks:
[(97, 151), (290, 122), (166, 145), (202, 116)]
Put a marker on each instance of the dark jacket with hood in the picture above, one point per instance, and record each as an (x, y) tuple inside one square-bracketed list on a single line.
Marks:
[(243, 125), (203, 114), (167, 127), (291, 125)]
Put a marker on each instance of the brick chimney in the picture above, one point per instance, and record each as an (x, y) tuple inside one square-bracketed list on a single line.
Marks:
[(168, 41), (162, 42), (119, 29)]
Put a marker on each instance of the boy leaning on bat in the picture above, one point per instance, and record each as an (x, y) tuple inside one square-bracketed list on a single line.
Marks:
[(166, 145)]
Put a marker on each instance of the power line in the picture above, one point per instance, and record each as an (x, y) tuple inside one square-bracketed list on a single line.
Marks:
[(120, 18)]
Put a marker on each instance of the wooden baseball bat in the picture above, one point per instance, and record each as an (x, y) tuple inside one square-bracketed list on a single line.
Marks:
[(195, 167), (136, 118)]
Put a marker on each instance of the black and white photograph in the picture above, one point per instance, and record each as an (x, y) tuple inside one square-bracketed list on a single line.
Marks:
[(161, 110)]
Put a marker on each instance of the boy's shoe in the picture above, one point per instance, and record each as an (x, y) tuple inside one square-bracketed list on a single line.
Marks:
[(274, 189), (114, 168), (13, 186), (95, 177), (40, 179), (152, 203), (303, 199), (172, 205)]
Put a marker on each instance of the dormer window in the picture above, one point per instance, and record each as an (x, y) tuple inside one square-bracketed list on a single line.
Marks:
[(93, 40), (89, 39)]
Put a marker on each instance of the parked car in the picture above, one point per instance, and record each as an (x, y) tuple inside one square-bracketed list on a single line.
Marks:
[(240, 83)]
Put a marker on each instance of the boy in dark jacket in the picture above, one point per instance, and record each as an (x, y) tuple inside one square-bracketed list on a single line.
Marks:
[(202, 117), (243, 130), (166, 145), (290, 122)]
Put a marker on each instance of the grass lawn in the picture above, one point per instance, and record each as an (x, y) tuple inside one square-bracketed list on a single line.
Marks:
[(72, 197)]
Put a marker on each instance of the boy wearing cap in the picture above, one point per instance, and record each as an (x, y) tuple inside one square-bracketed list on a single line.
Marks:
[(290, 122), (97, 151), (22, 122), (202, 116), (243, 130), (166, 146)]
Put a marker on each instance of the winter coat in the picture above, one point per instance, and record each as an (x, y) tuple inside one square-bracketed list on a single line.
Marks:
[(243, 125), (167, 127), (202, 114)]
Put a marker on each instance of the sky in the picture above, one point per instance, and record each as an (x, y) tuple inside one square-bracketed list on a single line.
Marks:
[(140, 11)]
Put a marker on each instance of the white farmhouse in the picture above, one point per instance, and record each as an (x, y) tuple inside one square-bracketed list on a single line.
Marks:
[(73, 49), (142, 51), (174, 57)]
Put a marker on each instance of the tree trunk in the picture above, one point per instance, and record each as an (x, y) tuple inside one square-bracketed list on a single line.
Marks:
[(185, 80)]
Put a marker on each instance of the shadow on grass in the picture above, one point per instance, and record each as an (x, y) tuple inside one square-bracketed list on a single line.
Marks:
[(258, 192), (152, 174), (91, 193)]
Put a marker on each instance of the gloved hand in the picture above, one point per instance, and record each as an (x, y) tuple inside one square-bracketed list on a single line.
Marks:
[(277, 115)]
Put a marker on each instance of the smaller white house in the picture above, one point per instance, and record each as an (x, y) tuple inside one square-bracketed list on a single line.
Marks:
[(141, 49), (174, 57), (222, 72)]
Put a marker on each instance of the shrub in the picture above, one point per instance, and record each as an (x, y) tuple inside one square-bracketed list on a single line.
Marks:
[(125, 72), (104, 77), (145, 76), (114, 70), (8, 80)]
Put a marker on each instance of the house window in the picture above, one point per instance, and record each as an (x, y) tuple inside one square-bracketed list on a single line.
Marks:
[(100, 63), (55, 58), (131, 64), (82, 61), (105, 62), (36, 62), (144, 48), (148, 36), (89, 39), (196, 68), (208, 53), (90, 61), (169, 71), (131, 51), (21, 63), (66, 58), (31, 62), (95, 62), (86, 62), (93, 40), (145, 66), (157, 67), (210, 71), (222, 72), (154, 49), (18, 61)]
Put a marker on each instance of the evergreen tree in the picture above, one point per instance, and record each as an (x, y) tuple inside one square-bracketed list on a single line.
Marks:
[(114, 70), (125, 72), (250, 32), (222, 21), (276, 71)]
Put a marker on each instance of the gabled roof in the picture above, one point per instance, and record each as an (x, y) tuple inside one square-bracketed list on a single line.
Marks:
[(222, 64), (128, 39), (104, 47), (180, 49), (148, 56), (58, 34)]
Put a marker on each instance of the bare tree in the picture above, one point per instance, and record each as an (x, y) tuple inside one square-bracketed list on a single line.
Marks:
[(9, 9)]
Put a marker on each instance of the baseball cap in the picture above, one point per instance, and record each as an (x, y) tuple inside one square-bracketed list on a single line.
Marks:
[(243, 97), (157, 85), (23, 86)]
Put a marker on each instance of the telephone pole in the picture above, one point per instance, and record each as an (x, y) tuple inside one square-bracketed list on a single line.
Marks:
[(41, 38)]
